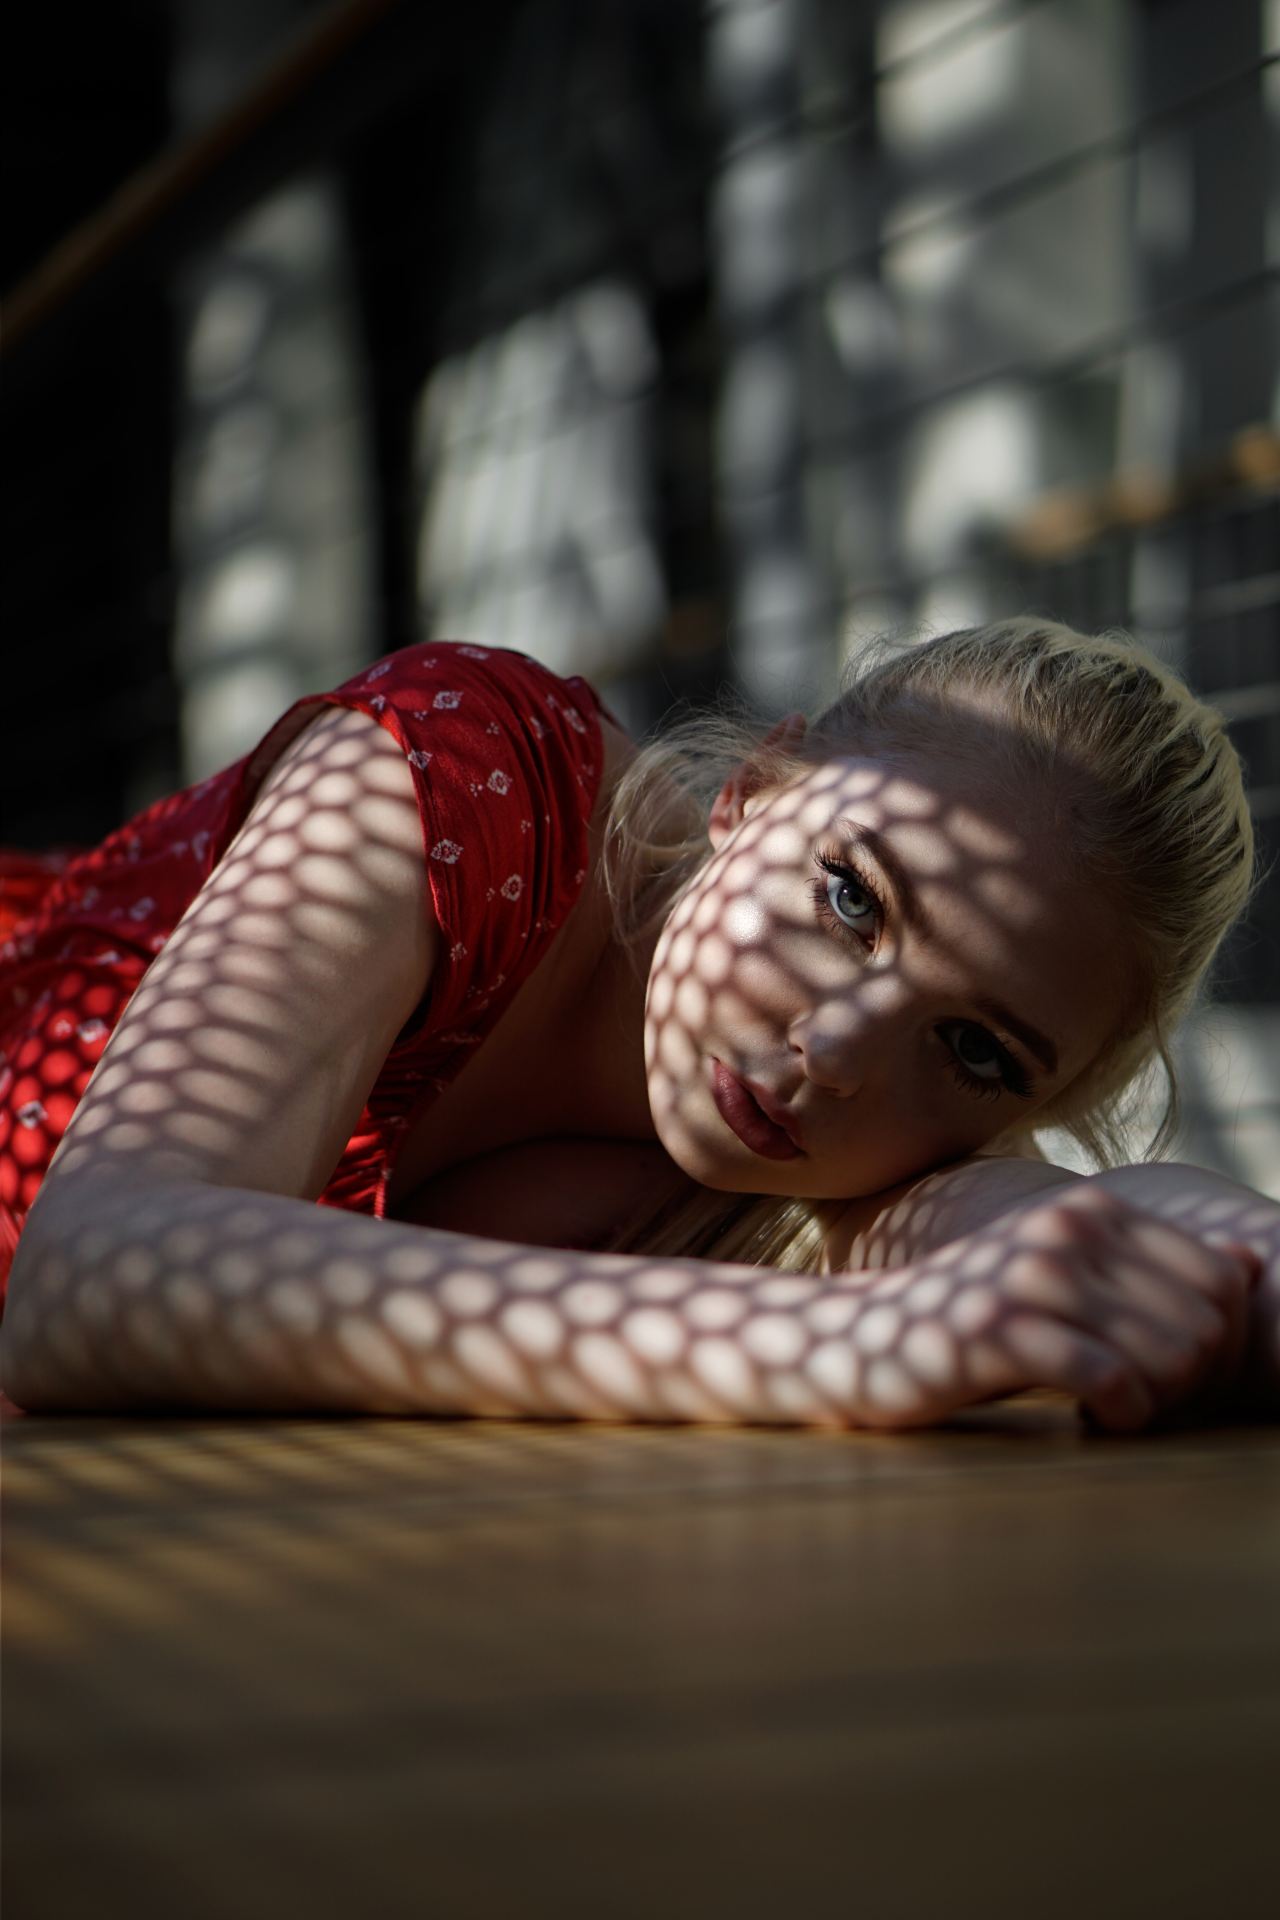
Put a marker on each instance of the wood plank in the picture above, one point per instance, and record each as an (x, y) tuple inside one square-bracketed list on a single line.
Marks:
[(262, 1666)]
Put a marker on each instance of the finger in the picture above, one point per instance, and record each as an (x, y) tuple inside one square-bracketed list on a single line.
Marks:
[(1171, 1357), (1184, 1332), (1131, 1292), (1217, 1281), (1237, 1314), (1119, 1403), (1248, 1257), (1047, 1353), (1176, 1255), (1113, 1290)]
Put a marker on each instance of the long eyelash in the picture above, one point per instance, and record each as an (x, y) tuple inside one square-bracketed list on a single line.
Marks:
[(1012, 1078), (843, 870), (982, 1089)]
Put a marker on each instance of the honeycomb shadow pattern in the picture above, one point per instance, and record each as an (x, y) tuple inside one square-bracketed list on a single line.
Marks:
[(176, 1291)]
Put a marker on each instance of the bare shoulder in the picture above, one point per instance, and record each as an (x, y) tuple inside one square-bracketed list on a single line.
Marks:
[(248, 1051)]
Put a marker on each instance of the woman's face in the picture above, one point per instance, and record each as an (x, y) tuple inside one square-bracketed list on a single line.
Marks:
[(885, 964)]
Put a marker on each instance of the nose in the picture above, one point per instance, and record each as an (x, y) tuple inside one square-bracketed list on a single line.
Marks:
[(834, 1046)]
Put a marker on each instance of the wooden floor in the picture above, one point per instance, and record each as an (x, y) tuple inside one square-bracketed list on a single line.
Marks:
[(377, 1667)]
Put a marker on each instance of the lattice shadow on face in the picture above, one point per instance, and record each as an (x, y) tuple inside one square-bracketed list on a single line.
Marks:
[(753, 962)]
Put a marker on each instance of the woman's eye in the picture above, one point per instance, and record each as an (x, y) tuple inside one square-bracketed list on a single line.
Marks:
[(850, 901), (975, 1050)]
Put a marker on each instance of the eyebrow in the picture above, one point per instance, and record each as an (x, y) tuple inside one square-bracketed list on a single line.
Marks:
[(1037, 1044), (907, 899)]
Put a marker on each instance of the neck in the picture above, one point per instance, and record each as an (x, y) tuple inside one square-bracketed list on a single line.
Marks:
[(604, 1065), (598, 1055)]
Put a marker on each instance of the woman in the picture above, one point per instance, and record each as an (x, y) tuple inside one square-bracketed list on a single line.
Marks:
[(972, 900)]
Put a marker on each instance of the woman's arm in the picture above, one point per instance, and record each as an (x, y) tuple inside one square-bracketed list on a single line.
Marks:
[(143, 1293), (139, 1293), (245, 1057), (247, 1053), (924, 1216)]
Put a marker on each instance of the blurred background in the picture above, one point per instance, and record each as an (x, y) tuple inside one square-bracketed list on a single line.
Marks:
[(677, 344)]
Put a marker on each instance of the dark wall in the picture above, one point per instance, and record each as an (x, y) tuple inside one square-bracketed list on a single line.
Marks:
[(85, 416)]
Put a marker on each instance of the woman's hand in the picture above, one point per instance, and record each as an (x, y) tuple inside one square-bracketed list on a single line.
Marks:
[(1083, 1291), (1220, 1212)]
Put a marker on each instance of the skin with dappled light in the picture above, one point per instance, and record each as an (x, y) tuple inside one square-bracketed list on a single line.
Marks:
[(891, 958), (828, 955)]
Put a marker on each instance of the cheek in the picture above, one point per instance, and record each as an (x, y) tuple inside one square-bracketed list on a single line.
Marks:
[(691, 1005), (767, 954), (673, 1056), (744, 922), (668, 1045), (723, 973), (713, 960)]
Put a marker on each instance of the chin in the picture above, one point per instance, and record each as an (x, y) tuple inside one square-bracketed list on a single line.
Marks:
[(734, 1180), (721, 1175), (700, 1162)]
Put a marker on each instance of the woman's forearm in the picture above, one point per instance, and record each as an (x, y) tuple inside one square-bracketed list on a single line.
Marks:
[(167, 1293), (195, 1295)]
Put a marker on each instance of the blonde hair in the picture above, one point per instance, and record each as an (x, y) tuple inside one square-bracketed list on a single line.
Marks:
[(1149, 800)]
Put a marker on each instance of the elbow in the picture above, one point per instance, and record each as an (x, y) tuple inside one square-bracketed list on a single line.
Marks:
[(17, 1380), (23, 1379), (49, 1351)]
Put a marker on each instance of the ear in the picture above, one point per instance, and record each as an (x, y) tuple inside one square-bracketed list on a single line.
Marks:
[(733, 802)]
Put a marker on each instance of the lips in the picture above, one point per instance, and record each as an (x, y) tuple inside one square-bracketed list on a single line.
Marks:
[(743, 1113)]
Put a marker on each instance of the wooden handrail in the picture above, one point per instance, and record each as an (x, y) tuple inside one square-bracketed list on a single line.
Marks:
[(164, 182)]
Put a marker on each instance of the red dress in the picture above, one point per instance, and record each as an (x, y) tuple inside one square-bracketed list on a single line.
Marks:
[(506, 761)]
